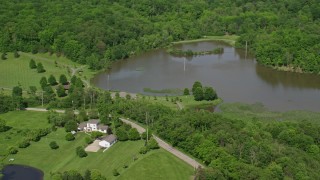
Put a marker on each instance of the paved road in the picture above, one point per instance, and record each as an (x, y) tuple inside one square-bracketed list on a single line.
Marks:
[(166, 146)]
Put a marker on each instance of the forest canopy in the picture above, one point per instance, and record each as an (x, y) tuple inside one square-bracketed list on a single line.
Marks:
[(283, 33)]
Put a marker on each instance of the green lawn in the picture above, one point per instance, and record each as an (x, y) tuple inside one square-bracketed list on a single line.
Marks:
[(157, 164), (187, 102), (16, 70), (20, 120)]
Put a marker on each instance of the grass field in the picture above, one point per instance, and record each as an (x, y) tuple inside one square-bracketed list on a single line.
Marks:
[(20, 120), (157, 164), (230, 39), (16, 70), (187, 102)]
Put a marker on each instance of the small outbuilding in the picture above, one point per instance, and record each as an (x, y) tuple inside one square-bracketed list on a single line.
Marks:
[(108, 141)]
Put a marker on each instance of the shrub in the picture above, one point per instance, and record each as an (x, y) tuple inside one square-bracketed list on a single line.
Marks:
[(81, 152), (12, 150), (53, 145), (96, 134), (24, 144), (70, 137), (40, 68), (134, 134), (153, 144), (16, 54), (88, 140), (143, 150), (115, 172)]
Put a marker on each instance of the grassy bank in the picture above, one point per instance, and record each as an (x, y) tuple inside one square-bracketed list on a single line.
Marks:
[(16, 70), (230, 39), (158, 164)]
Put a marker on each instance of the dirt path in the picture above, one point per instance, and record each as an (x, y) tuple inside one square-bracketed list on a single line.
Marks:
[(180, 106), (166, 146)]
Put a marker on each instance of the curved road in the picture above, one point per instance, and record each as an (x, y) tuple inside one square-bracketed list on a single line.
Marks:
[(166, 146)]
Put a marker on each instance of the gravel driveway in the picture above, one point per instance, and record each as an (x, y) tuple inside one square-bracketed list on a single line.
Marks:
[(94, 147)]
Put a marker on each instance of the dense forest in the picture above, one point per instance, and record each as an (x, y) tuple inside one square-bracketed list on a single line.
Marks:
[(232, 148), (284, 33)]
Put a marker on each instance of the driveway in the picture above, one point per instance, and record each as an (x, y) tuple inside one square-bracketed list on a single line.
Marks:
[(94, 147)]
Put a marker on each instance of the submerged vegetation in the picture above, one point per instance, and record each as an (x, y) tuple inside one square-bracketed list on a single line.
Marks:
[(179, 52)]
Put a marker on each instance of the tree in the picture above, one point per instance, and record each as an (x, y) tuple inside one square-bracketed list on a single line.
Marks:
[(153, 144), (73, 79), (12, 150), (63, 79), (40, 68), (52, 80), (25, 143), (87, 175), (195, 86), (144, 135), (71, 126), (82, 116), (32, 64), (61, 91), (134, 134), (43, 82), (3, 125), (209, 94), (70, 137), (198, 94), (17, 99), (122, 134), (96, 175), (186, 92), (53, 145), (81, 152), (88, 140)]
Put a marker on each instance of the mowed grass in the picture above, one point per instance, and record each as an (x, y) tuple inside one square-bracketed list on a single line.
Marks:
[(40, 155), (18, 121), (16, 70)]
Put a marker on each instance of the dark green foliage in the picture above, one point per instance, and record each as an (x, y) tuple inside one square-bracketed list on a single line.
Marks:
[(73, 79), (6, 103), (23, 144), (89, 140), (153, 144), (82, 116), (70, 137), (71, 125), (80, 152), (122, 134), (63, 79), (17, 99), (52, 80), (87, 175), (134, 134), (40, 68), (61, 92), (186, 91), (43, 82), (143, 150), (195, 86), (96, 134), (16, 54), (12, 150), (198, 94), (32, 64), (4, 56), (144, 135), (115, 172), (3, 125), (209, 94), (53, 145)]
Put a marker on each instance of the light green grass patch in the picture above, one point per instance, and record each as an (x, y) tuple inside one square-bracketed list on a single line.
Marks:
[(14, 71), (230, 39)]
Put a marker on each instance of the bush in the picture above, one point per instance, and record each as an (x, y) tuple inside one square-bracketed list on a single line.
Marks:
[(96, 134), (115, 172), (88, 140), (32, 64), (153, 144), (143, 150), (16, 54), (4, 56), (134, 134), (40, 68), (24, 144), (70, 137), (53, 145), (71, 125), (12, 150), (81, 152)]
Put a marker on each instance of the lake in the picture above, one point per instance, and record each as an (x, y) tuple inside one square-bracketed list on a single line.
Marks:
[(21, 172), (235, 76)]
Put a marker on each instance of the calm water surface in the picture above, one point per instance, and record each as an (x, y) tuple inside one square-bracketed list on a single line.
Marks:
[(20, 172), (235, 76)]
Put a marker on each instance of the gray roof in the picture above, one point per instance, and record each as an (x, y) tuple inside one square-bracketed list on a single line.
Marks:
[(82, 125), (103, 127), (110, 138), (93, 121)]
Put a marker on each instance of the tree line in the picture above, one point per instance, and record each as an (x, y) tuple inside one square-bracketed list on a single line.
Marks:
[(99, 32)]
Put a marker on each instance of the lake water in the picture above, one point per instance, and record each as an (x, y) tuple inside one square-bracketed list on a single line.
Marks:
[(20, 172), (235, 76)]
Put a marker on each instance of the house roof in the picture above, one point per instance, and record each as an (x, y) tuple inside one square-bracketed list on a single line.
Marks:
[(82, 125), (110, 138), (103, 127), (93, 121)]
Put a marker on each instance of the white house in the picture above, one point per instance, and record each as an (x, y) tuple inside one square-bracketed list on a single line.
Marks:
[(108, 141), (93, 125)]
